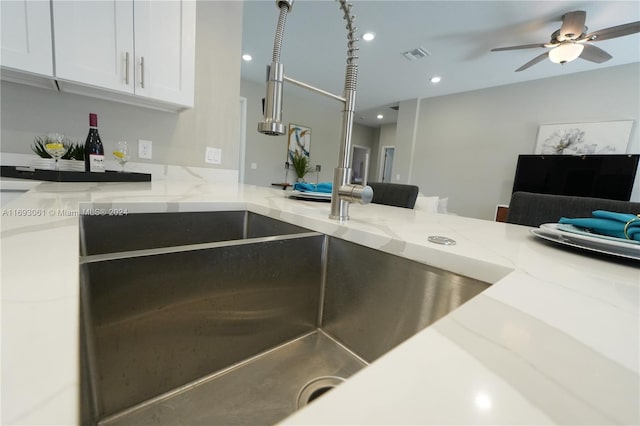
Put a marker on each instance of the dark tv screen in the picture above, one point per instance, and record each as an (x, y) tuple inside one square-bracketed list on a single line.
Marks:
[(598, 176)]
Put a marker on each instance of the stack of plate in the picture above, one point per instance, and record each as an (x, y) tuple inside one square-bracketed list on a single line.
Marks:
[(573, 236), (311, 195), (43, 163), (64, 165), (72, 165)]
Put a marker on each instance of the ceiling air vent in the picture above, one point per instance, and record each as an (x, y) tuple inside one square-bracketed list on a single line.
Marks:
[(415, 54), (395, 107)]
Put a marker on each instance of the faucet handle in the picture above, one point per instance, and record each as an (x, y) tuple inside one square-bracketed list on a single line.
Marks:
[(356, 193)]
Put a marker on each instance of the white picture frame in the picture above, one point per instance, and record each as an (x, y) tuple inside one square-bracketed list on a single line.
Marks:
[(605, 137)]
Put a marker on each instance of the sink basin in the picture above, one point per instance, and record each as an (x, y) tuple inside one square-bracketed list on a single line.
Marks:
[(118, 233), (244, 328)]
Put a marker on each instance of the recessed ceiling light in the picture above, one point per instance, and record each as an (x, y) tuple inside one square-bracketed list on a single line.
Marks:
[(368, 36), (380, 116), (246, 57), (435, 79)]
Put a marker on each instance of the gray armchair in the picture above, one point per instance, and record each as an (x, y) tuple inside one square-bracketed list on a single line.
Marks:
[(527, 208), (394, 194)]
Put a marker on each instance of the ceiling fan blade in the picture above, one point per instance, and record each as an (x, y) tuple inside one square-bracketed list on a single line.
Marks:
[(524, 46), (594, 54), (533, 61), (572, 25), (613, 32)]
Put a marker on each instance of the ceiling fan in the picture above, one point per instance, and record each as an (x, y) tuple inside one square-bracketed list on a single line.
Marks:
[(571, 41)]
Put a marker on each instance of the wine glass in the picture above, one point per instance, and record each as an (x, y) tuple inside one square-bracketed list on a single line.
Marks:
[(56, 147), (121, 154)]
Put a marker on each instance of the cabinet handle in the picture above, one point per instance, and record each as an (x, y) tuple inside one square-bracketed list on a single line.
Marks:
[(142, 72), (126, 68)]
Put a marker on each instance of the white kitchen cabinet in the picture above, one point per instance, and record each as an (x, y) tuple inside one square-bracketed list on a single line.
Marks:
[(92, 42), (165, 50), (143, 48), (26, 37)]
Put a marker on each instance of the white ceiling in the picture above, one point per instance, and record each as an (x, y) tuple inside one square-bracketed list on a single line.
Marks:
[(458, 34)]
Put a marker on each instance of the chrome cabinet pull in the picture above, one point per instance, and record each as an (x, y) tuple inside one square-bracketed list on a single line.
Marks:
[(142, 72), (126, 68)]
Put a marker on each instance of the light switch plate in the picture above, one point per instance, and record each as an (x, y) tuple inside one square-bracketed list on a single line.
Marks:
[(145, 149), (213, 155)]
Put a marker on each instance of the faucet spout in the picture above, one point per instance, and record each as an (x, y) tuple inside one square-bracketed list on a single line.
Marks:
[(272, 108), (272, 123), (343, 191)]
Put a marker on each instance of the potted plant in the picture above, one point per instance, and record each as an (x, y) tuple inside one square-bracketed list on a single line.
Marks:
[(300, 163), (73, 159)]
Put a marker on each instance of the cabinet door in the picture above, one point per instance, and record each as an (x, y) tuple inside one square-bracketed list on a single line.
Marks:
[(165, 33), (26, 36), (94, 43)]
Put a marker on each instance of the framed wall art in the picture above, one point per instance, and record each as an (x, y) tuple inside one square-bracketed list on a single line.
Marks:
[(299, 140), (606, 137)]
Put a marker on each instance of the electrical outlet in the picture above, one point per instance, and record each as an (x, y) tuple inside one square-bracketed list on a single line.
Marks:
[(254, 166), (145, 149), (213, 155), (397, 177)]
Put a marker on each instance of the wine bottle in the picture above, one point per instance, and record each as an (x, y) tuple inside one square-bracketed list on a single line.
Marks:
[(93, 148)]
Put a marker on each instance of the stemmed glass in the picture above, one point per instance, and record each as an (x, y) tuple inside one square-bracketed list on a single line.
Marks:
[(121, 154), (56, 148)]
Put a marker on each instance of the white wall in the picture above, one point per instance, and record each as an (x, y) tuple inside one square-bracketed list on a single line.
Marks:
[(323, 116), (467, 144), (180, 139)]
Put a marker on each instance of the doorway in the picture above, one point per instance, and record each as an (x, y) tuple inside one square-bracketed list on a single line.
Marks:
[(243, 138), (386, 165), (360, 164)]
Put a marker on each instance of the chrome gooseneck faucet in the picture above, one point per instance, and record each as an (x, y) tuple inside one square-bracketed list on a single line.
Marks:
[(343, 192)]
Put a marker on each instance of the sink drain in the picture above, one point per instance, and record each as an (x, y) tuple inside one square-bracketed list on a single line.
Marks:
[(317, 387)]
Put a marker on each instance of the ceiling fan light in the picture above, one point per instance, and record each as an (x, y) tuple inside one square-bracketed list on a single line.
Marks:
[(566, 52)]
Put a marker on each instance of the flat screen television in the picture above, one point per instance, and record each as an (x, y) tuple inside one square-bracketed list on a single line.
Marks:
[(598, 176)]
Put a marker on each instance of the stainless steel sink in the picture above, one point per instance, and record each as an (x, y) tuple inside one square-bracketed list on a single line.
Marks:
[(118, 233), (241, 330)]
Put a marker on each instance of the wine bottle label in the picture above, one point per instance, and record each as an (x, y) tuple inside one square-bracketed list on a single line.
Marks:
[(96, 163)]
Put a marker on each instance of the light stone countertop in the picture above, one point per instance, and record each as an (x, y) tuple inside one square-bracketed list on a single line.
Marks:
[(11, 184), (555, 340)]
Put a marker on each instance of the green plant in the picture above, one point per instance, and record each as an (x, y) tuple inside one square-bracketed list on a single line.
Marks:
[(38, 147), (75, 151), (300, 163)]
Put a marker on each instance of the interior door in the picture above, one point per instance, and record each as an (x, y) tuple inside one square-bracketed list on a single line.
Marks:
[(387, 164), (360, 164)]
